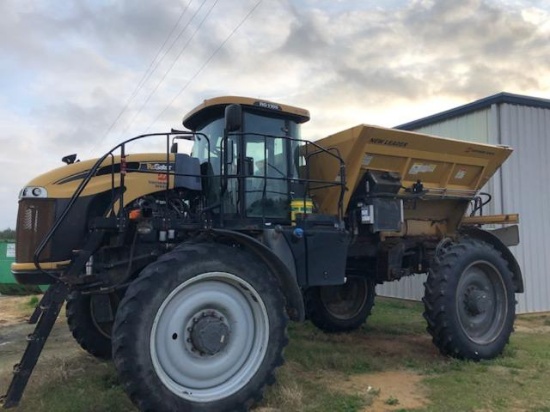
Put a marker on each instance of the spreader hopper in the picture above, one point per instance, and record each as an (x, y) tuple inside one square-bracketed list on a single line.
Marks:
[(427, 166)]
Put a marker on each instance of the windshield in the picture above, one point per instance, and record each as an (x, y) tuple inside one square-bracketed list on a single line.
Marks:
[(209, 152), (209, 149), (261, 160)]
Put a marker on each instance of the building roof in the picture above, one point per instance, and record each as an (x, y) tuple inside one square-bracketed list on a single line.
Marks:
[(480, 104)]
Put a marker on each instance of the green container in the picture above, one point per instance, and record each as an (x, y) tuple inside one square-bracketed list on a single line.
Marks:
[(7, 257), (8, 285)]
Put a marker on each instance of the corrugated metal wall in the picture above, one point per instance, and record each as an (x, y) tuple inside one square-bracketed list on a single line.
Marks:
[(522, 186), (472, 127), (526, 189)]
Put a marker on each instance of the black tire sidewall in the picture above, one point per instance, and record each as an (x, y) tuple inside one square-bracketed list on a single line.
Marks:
[(323, 319), (457, 341), (83, 328), (132, 333)]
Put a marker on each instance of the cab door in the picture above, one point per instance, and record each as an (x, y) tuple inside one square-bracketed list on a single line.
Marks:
[(266, 166)]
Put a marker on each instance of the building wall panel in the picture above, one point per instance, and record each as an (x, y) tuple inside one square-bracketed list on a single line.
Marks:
[(526, 190), (473, 127)]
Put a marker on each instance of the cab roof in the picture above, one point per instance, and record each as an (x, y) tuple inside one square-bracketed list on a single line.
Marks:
[(216, 106)]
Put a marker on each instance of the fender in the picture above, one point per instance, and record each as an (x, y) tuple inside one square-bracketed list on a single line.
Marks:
[(492, 239), (289, 285)]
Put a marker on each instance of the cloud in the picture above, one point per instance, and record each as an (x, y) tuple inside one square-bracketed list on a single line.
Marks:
[(69, 69)]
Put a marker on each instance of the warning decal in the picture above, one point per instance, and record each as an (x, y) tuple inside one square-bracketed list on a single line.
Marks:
[(417, 168)]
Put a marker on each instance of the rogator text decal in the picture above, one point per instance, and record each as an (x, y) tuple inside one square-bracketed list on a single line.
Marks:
[(157, 167)]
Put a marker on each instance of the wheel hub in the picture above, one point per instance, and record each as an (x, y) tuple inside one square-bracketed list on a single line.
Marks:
[(477, 301), (209, 333)]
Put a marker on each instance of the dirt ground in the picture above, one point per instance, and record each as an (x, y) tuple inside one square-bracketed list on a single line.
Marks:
[(389, 390), (11, 310), (404, 388), (13, 332)]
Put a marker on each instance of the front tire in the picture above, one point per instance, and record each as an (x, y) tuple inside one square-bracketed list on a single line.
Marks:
[(201, 329), (92, 332), (469, 301), (341, 308)]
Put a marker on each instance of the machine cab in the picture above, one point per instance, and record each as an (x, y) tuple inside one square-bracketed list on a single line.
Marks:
[(250, 172)]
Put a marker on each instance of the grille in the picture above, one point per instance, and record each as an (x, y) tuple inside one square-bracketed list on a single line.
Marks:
[(34, 218)]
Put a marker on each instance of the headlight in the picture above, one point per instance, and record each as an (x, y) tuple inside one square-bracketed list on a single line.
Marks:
[(33, 192)]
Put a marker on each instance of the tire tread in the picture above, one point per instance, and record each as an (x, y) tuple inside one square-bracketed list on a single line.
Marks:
[(439, 298)]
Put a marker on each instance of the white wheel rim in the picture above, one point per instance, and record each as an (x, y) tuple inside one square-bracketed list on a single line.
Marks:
[(209, 377)]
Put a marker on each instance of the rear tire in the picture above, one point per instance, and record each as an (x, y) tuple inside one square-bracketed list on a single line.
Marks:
[(93, 335), (341, 308), (201, 329), (469, 301)]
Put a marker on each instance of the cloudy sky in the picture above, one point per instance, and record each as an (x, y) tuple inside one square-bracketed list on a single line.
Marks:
[(79, 76)]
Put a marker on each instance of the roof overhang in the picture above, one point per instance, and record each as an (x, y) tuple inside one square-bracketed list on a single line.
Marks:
[(481, 104)]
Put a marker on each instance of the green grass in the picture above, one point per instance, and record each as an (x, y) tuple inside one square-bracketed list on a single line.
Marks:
[(14, 289), (33, 302), (518, 380), (320, 368), (391, 401), (314, 350), (29, 304), (298, 392), (81, 384), (396, 317)]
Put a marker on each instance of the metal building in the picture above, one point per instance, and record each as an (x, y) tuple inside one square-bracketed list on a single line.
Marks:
[(521, 186)]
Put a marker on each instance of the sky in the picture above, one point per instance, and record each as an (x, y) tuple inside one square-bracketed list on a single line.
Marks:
[(81, 76)]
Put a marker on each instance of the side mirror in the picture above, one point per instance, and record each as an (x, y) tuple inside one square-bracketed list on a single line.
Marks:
[(70, 159), (233, 116)]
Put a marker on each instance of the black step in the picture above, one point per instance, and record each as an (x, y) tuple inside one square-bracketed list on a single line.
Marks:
[(41, 307)]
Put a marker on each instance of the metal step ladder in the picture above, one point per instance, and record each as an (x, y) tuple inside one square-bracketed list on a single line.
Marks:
[(44, 317)]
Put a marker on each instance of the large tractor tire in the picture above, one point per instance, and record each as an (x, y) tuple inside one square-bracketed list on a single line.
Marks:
[(341, 308), (201, 329), (90, 319), (469, 301)]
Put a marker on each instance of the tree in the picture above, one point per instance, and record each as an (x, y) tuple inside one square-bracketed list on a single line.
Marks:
[(7, 234)]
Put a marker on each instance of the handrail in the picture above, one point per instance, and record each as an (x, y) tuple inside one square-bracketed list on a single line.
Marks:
[(307, 180), (84, 183), (342, 175), (119, 197)]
